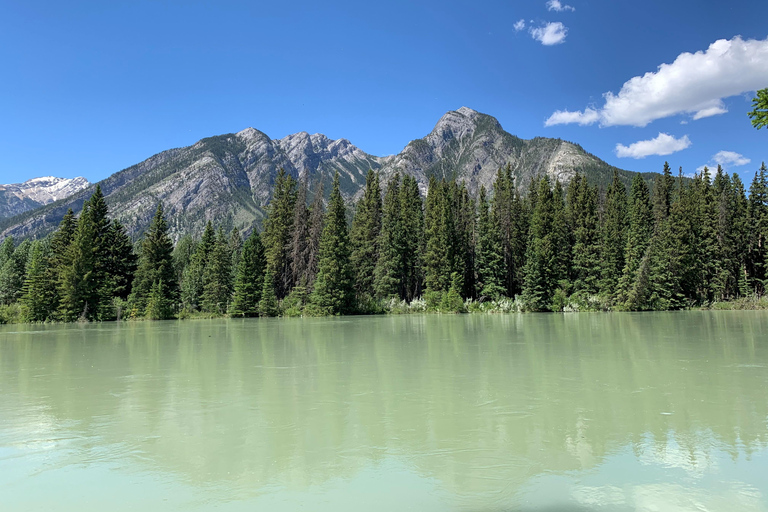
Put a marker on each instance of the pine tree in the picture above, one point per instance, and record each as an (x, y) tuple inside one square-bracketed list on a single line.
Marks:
[(631, 292), (489, 253), (193, 281), (463, 212), (586, 246), (614, 241), (439, 233), (316, 225), (278, 228), (268, 305), (38, 295), (249, 280), (119, 262), (299, 249), (364, 236), (333, 291), (217, 277), (389, 271), (183, 253), (757, 222), (78, 285), (541, 269), (662, 195), (13, 263), (235, 248), (412, 238), (159, 306), (155, 264)]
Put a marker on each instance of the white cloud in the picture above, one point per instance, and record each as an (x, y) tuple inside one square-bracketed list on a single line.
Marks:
[(555, 5), (730, 159), (664, 144), (694, 84), (550, 34), (587, 117), (520, 25)]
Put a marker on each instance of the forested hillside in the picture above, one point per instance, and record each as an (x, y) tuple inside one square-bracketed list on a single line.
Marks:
[(548, 247)]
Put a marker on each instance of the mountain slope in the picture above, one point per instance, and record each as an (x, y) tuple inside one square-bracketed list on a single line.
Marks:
[(468, 145), (228, 178), (18, 198)]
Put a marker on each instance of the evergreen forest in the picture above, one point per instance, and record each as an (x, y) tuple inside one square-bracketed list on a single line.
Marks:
[(680, 243)]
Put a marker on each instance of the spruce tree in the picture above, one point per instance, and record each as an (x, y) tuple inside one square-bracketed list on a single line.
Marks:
[(159, 305), (757, 222), (155, 264), (389, 271), (316, 225), (333, 291), (13, 264), (119, 262), (193, 281), (249, 280), (662, 195), (364, 236), (38, 296), (541, 269), (614, 230), (586, 246), (299, 249), (268, 305), (632, 288), (412, 238), (78, 287), (278, 228), (489, 254), (439, 234), (217, 276)]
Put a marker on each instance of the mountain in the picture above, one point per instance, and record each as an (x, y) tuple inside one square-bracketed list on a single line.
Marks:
[(228, 178), (471, 146), (18, 198)]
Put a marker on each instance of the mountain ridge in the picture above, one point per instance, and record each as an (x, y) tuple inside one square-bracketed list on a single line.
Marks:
[(17, 198), (228, 178)]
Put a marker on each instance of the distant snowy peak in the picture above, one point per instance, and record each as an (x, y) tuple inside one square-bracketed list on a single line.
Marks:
[(18, 198), (46, 189)]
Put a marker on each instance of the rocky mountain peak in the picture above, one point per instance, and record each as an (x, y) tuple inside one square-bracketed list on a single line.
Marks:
[(17, 198)]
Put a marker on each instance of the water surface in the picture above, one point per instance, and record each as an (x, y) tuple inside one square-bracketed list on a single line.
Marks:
[(607, 412)]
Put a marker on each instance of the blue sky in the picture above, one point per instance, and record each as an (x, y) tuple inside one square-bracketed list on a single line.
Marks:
[(89, 88)]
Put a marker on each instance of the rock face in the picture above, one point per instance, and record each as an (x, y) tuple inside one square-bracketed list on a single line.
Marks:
[(471, 146), (228, 179), (21, 197)]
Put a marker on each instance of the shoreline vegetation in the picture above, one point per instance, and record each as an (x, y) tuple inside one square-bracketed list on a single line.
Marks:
[(695, 243)]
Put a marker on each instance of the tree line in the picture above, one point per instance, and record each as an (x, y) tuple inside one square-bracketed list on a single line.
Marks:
[(551, 247)]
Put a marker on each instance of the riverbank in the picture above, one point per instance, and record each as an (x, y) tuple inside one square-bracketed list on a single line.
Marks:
[(14, 314)]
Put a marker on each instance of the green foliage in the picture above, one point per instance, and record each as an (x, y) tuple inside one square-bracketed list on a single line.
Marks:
[(217, 276), (277, 232), (268, 305), (614, 233), (451, 301), (633, 285), (155, 264), (542, 268), (364, 236), (293, 305), (333, 291), (159, 306), (584, 219), (489, 257), (389, 270), (249, 280), (759, 112)]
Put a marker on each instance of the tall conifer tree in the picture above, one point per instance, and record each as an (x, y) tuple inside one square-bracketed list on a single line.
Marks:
[(333, 292)]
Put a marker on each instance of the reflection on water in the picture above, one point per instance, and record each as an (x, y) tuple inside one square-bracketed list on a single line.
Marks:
[(663, 411)]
